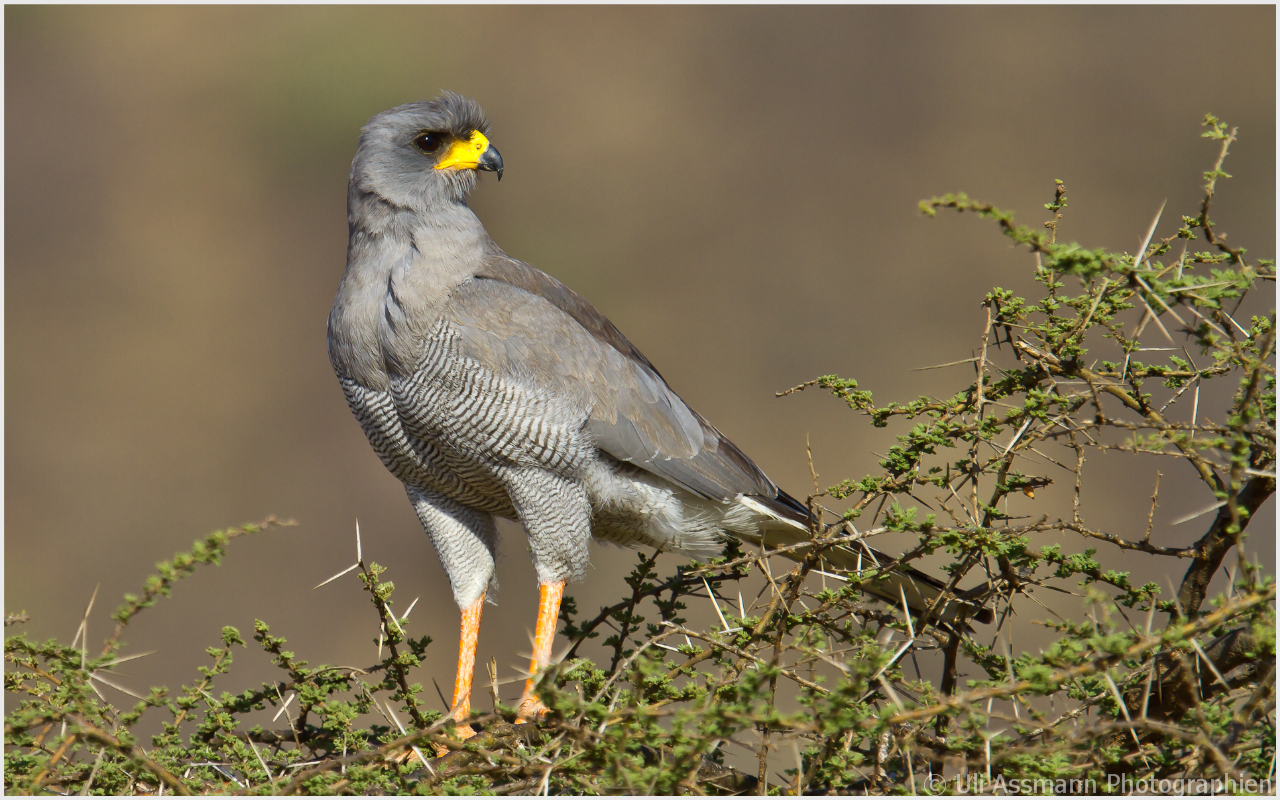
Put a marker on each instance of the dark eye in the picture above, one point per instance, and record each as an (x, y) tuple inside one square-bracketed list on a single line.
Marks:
[(429, 142)]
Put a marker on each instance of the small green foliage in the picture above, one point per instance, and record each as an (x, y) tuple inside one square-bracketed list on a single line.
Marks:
[(806, 684)]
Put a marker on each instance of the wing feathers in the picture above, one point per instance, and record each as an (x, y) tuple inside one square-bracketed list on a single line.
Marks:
[(551, 334)]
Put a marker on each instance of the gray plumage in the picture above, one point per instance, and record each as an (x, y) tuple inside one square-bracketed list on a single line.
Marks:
[(490, 389)]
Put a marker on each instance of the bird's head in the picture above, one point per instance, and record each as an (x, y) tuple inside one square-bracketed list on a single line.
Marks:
[(421, 155)]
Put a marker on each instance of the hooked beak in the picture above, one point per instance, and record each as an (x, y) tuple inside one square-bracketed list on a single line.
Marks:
[(472, 153), (491, 161)]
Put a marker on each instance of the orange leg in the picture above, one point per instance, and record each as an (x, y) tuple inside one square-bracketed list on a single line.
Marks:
[(545, 633), (466, 667)]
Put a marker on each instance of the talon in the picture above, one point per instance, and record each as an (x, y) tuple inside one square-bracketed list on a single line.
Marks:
[(531, 710), (462, 732)]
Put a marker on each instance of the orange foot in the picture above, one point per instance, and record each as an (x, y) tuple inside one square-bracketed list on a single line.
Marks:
[(462, 732), (531, 710)]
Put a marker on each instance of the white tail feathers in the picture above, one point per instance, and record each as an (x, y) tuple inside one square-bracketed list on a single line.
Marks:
[(922, 591)]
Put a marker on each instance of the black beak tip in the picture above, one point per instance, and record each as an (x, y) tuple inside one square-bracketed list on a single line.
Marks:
[(491, 161)]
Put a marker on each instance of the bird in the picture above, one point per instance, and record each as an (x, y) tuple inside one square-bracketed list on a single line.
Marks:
[(492, 390)]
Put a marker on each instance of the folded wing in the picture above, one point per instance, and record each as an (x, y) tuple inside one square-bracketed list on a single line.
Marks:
[(522, 322)]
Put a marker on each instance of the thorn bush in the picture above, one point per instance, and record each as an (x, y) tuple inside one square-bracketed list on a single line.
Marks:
[(806, 690)]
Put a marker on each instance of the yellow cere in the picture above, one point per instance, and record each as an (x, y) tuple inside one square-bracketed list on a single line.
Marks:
[(465, 155)]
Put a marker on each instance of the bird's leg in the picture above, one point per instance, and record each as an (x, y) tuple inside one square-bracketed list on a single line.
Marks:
[(549, 595), (466, 667)]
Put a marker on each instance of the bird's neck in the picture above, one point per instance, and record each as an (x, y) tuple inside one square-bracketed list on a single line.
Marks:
[(401, 268), (375, 215), (452, 222)]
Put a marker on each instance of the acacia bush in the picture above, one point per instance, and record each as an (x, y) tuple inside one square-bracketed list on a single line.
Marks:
[(1148, 690)]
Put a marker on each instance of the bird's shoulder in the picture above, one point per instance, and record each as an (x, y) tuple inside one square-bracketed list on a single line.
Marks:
[(507, 271), (519, 321)]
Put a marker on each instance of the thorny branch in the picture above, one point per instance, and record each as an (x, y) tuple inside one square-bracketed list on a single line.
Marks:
[(1085, 371)]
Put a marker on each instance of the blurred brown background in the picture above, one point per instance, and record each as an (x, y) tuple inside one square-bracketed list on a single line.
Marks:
[(735, 187)]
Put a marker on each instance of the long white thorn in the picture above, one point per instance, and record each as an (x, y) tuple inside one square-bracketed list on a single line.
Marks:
[(906, 611), (270, 778), (1217, 675), (1142, 251), (1008, 662), (83, 630), (897, 701), (95, 676), (123, 659), (1115, 691), (83, 633), (897, 655), (1199, 513), (284, 706), (1017, 436), (335, 577), (719, 614), (403, 732), (405, 615), (394, 718), (1162, 303)]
